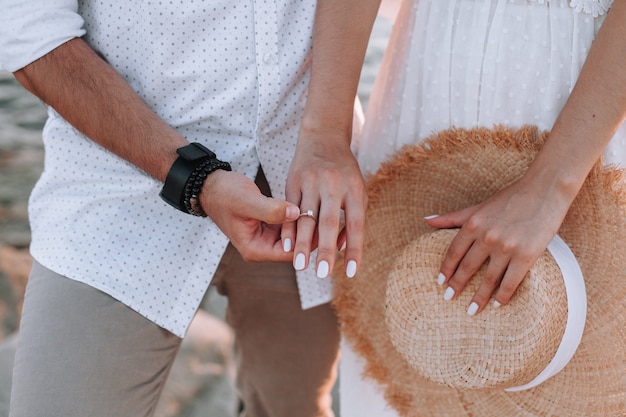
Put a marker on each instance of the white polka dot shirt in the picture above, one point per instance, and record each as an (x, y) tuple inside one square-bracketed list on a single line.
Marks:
[(229, 74)]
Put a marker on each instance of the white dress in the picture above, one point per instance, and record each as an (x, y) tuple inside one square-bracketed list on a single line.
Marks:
[(468, 63)]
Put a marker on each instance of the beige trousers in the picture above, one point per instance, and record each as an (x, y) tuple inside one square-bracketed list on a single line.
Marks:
[(286, 356), (83, 353)]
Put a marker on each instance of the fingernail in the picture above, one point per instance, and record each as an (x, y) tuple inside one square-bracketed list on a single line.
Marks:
[(351, 269), (496, 304), (441, 278), (472, 309), (343, 246), (292, 212), (322, 269), (287, 245), (448, 294), (299, 262), (432, 216)]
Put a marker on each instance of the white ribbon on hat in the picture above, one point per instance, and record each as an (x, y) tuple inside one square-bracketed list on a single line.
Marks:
[(576, 312)]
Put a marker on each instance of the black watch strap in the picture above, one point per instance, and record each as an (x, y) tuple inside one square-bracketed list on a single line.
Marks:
[(186, 176)]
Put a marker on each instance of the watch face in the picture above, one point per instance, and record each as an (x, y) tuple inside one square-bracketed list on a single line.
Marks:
[(195, 151)]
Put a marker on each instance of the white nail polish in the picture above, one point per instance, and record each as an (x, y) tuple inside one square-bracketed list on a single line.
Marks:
[(496, 304), (351, 269), (441, 279), (287, 245), (343, 246), (448, 294), (299, 262), (432, 216), (322, 269), (472, 309)]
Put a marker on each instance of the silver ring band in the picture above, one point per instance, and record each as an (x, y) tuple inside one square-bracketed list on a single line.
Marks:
[(309, 214)]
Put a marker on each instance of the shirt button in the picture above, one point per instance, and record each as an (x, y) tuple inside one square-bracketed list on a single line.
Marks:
[(269, 58)]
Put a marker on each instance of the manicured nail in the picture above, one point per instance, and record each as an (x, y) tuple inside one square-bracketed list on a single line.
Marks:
[(343, 246), (432, 216), (441, 278), (299, 262), (496, 304), (322, 269), (472, 309), (351, 269), (448, 294), (287, 245)]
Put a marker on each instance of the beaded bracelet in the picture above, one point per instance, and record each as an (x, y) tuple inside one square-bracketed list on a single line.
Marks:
[(195, 182)]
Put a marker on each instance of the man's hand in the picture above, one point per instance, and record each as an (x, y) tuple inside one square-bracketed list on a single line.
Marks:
[(251, 220)]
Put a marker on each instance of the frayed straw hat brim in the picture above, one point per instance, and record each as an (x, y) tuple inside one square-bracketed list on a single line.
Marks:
[(455, 169)]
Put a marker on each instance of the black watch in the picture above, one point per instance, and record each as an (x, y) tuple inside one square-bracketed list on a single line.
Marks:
[(184, 180)]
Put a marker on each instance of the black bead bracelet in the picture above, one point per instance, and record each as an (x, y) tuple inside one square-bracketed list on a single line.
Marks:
[(185, 179)]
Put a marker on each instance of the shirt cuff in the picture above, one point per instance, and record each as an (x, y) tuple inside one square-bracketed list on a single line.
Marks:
[(31, 29)]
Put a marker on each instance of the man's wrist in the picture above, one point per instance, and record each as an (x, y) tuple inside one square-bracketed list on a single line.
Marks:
[(185, 178)]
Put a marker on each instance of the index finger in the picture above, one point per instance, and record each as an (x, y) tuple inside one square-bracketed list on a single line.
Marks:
[(457, 250)]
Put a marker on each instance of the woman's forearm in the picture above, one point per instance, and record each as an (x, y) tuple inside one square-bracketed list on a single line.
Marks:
[(341, 33), (594, 111)]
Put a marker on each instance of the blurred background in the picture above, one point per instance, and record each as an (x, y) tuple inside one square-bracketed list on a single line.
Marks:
[(201, 382)]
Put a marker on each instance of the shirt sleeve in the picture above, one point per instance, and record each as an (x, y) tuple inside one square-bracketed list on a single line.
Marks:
[(30, 29)]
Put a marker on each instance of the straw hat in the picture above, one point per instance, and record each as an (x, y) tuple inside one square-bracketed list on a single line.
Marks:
[(431, 358)]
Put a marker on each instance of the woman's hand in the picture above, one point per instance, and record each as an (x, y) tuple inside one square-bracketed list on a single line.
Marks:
[(324, 177), (510, 230)]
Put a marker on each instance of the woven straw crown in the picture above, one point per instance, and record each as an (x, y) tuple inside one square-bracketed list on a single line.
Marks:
[(431, 358), (496, 349)]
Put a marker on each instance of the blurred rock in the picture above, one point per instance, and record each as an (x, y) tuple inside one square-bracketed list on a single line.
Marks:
[(14, 269), (22, 117)]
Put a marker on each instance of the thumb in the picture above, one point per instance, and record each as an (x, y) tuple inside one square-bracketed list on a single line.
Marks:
[(451, 219), (270, 210)]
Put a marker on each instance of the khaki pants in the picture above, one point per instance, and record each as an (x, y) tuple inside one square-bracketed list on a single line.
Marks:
[(82, 353), (286, 356)]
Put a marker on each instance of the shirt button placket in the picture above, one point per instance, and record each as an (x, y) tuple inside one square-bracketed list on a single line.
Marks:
[(269, 86), (268, 70)]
